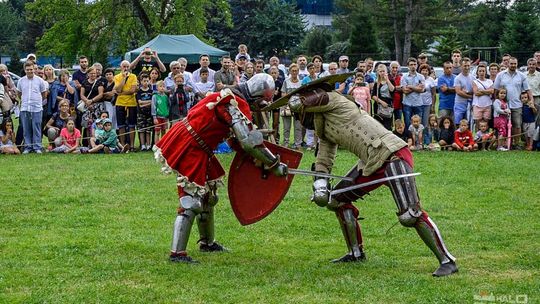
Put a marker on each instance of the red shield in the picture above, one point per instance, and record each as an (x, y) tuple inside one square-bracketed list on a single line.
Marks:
[(254, 193)]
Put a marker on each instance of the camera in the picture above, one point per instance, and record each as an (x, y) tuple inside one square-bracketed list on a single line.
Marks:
[(148, 53)]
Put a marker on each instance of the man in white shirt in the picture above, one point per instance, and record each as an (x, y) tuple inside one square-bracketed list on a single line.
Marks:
[(32, 90)]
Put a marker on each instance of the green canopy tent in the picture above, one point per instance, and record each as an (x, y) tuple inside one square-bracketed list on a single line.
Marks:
[(172, 47)]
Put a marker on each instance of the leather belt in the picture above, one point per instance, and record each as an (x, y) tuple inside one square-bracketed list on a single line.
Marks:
[(197, 138)]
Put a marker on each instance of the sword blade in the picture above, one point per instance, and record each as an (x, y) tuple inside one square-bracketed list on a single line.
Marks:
[(373, 182), (319, 174)]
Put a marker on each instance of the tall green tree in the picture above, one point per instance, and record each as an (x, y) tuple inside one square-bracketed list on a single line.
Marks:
[(12, 25), (445, 44), (521, 37), (271, 27), (102, 27), (356, 25), (315, 41)]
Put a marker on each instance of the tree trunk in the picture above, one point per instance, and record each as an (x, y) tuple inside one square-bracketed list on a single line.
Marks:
[(409, 11), (397, 40), (145, 20)]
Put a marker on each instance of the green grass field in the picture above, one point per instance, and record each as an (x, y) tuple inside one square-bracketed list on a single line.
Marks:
[(97, 229)]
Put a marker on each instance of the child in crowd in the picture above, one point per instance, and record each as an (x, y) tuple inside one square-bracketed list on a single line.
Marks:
[(204, 86), (7, 137), (160, 111), (108, 141), (463, 138), (446, 137), (179, 100), (242, 50), (361, 93), (432, 134), (528, 116), (416, 129), (484, 136), (501, 115), (70, 139), (405, 135), (144, 112)]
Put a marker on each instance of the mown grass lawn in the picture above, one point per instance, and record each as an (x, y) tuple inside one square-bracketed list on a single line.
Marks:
[(97, 229)]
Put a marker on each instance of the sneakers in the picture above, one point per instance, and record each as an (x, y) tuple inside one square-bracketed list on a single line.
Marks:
[(215, 247), (349, 257), (38, 151), (445, 269), (26, 151), (182, 259), (501, 148)]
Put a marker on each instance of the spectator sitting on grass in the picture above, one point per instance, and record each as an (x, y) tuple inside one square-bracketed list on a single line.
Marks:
[(447, 133), (70, 139), (405, 135), (7, 137), (483, 136), (108, 141), (56, 123), (417, 132), (463, 138), (432, 134)]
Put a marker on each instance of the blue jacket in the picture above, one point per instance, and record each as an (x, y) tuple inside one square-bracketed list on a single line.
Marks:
[(52, 104)]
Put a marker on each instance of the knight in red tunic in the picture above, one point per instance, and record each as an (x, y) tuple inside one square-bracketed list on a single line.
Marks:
[(187, 149)]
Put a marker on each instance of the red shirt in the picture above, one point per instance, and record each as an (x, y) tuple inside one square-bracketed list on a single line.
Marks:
[(71, 139), (463, 139)]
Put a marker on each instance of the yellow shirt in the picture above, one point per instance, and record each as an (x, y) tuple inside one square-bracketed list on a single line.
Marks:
[(126, 100)]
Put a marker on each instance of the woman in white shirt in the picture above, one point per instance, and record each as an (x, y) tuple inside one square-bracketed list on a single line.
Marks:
[(482, 92), (428, 96)]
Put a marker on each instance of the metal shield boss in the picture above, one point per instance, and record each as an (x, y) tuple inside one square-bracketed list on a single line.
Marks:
[(254, 192)]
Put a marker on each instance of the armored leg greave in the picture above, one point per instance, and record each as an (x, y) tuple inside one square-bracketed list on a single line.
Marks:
[(347, 216), (205, 222), (429, 233), (181, 231), (410, 213)]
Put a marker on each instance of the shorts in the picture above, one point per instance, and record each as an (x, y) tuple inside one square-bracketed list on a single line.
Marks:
[(500, 123), (460, 111), (517, 117), (126, 116), (528, 129), (482, 113), (162, 125), (144, 120)]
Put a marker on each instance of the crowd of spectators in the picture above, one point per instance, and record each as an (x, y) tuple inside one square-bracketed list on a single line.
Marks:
[(471, 106)]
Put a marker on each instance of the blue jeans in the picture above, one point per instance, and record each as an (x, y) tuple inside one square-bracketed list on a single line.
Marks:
[(426, 110), (460, 111), (408, 112), (31, 122)]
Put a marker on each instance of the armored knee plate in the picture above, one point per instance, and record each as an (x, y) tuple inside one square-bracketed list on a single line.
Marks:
[(192, 203), (404, 192), (321, 192), (181, 230)]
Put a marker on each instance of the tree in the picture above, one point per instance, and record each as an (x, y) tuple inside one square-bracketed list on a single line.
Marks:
[(219, 24), (445, 44), (270, 27), (315, 42), (12, 25), (521, 37), (356, 26), (100, 28)]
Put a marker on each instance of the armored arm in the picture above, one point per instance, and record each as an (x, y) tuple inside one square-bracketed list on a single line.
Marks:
[(251, 141)]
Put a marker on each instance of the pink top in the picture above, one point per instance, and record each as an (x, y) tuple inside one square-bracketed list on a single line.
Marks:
[(71, 139), (362, 97)]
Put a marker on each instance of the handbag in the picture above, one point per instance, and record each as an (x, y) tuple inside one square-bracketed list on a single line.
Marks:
[(5, 101), (384, 112), (81, 105)]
